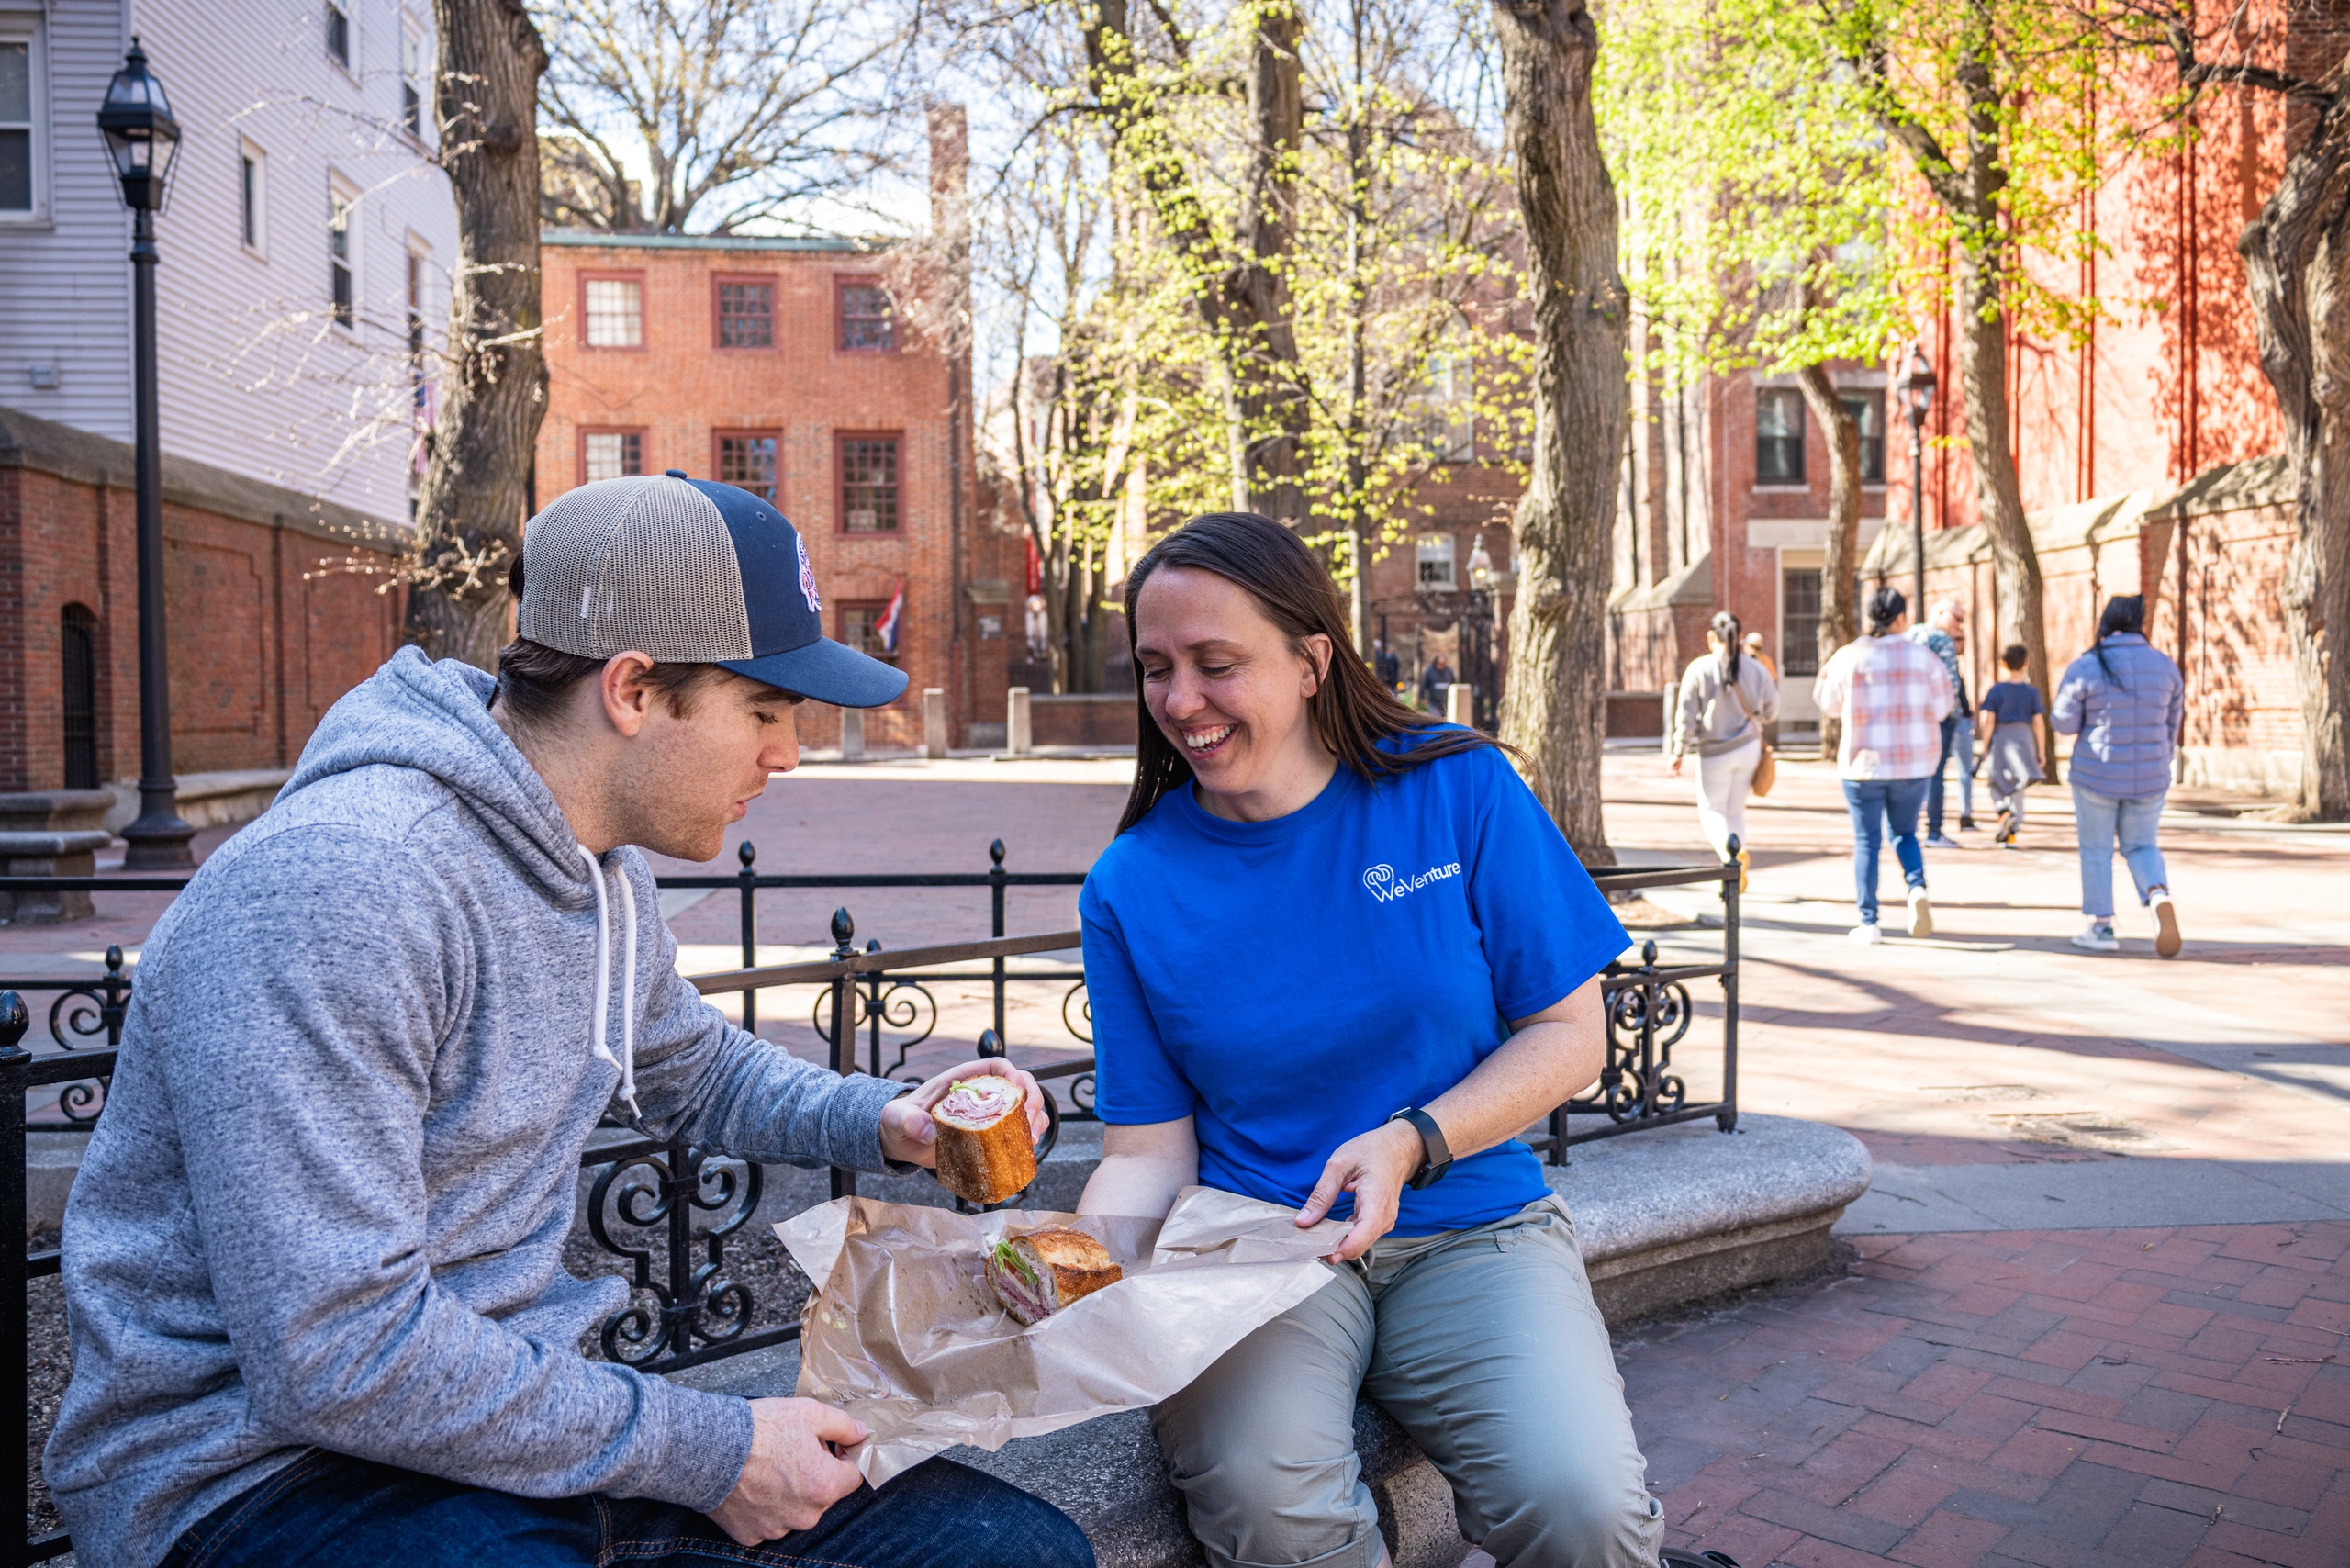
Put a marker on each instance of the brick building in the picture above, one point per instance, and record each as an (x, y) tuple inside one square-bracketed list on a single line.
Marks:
[(2145, 451), (784, 365)]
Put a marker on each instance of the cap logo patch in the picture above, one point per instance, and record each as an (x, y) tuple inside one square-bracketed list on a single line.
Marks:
[(808, 580)]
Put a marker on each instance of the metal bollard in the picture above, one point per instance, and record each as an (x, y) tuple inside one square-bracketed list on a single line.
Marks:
[(852, 734), (934, 722)]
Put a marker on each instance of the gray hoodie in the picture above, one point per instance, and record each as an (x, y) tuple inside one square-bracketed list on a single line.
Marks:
[(326, 1204)]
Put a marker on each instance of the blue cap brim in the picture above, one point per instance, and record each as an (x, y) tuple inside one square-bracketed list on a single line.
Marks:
[(829, 672)]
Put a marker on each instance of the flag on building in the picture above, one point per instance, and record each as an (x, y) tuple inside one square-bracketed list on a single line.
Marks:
[(885, 629)]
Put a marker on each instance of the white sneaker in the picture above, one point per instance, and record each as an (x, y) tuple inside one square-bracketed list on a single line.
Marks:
[(2098, 937), (1921, 914), (1867, 935), (2167, 940)]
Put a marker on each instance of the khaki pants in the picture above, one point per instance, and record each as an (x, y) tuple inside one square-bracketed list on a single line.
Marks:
[(1485, 1346)]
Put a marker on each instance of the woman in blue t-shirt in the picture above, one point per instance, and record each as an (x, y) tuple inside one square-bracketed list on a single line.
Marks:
[(1339, 957)]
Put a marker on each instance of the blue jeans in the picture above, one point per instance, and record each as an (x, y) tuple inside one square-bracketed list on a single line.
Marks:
[(1958, 741), (2101, 819), (326, 1510), (1876, 804)]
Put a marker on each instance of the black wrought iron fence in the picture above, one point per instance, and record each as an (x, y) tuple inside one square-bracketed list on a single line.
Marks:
[(691, 1201)]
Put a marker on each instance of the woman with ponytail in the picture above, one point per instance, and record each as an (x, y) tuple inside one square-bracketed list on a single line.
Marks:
[(1726, 698), (1320, 907), (1891, 695), (2125, 700)]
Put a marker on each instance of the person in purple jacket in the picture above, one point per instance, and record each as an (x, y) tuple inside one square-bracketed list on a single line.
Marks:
[(2123, 699)]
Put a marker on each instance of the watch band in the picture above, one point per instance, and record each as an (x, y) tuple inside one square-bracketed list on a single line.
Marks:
[(1436, 1155)]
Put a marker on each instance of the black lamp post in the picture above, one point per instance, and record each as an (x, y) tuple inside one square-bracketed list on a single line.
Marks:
[(142, 137), (1916, 385)]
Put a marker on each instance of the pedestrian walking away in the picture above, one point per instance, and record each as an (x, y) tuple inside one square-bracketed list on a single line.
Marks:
[(1945, 635), (2007, 724), (1726, 697), (1434, 681), (313, 1258), (1891, 695), (2124, 700), (1322, 851)]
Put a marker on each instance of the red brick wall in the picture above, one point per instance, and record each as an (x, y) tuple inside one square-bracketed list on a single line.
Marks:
[(256, 651), (680, 388)]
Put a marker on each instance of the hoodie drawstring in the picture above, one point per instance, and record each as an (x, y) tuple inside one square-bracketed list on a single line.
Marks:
[(626, 1061)]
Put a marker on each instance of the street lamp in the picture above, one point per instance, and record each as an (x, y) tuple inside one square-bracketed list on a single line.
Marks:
[(142, 137), (1916, 385)]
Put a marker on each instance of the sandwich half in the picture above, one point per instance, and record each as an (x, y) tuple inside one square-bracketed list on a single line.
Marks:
[(1037, 1275), (984, 1155)]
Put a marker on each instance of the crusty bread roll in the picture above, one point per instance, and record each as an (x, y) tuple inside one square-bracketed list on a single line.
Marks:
[(1037, 1275), (984, 1155)]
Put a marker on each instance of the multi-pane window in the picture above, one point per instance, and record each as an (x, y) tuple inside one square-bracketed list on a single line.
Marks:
[(747, 458), (745, 314), (866, 321), (1867, 408), (869, 483), (411, 82), (1800, 620), (1778, 436), (1433, 552), (612, 455), (17, 126), (861, 629), (1447, 407), (339, 34), (615, 313), (341, 282)]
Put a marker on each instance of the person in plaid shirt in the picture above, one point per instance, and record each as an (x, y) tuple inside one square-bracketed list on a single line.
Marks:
[(1891, 695)]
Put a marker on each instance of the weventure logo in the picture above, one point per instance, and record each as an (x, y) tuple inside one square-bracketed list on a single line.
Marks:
[(1385, 886)]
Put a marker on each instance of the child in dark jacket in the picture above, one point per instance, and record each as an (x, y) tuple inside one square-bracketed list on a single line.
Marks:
[(2005, 726)]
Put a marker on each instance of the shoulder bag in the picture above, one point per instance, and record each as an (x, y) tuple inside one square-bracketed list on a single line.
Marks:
[(1766, 769)]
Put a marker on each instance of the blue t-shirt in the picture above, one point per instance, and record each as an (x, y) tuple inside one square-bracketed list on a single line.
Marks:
[(1291, 984), (2013, 702)]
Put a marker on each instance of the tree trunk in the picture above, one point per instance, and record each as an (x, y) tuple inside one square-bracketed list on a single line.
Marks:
[(1555, 708), (1272, 404), (493, 384), (1998, 497), (1838, 571), (2297, 254)]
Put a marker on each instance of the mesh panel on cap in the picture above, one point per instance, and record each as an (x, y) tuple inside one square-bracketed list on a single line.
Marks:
[(634, 563)]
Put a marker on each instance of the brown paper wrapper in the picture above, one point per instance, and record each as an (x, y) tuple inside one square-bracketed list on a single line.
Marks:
[(905, 1335)]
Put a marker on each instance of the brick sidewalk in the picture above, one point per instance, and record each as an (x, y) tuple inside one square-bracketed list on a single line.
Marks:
[(2120, 1398)]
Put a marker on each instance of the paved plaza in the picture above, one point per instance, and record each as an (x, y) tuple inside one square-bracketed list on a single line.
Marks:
[(2095, 1309)]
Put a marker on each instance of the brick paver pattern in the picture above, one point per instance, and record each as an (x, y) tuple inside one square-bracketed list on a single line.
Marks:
[(2063, 1399)]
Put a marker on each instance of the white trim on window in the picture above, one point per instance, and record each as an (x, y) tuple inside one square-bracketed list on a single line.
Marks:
[(24, 32), (416, 81), (252, 198)]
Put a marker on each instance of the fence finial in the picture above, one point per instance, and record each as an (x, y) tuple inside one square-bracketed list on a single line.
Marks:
[(13, 1020), (995, 853), (747, 853), (844, 928)]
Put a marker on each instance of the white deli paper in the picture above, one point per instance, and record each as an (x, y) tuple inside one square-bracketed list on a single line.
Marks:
[(905, 1335)]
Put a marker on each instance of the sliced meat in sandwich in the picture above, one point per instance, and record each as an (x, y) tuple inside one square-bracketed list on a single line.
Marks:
[(1037, 1275), (984, 1155)]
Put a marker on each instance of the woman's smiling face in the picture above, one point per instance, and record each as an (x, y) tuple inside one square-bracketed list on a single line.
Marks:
[(1223, 684)]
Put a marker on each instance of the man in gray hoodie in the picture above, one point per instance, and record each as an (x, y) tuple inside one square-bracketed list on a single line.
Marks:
[(312, 1259)]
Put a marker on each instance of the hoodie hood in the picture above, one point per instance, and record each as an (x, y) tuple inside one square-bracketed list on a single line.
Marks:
[(434, 718)]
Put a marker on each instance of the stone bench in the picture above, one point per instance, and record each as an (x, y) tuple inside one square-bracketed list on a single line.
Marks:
[(1664, 1217)]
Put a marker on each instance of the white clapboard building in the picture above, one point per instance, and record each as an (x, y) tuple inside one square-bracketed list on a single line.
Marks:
[(305, 247)]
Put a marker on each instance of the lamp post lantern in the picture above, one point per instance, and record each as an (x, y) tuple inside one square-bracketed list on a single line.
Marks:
[(1916, 385), (143, 139)]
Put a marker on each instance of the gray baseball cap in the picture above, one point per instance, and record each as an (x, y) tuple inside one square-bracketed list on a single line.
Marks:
[(689, 571)]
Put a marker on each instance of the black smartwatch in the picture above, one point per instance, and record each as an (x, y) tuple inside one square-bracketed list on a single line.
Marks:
[(1436, 1158)]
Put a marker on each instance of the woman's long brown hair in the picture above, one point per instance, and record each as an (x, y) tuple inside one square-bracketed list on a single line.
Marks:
[(1352, 711)]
